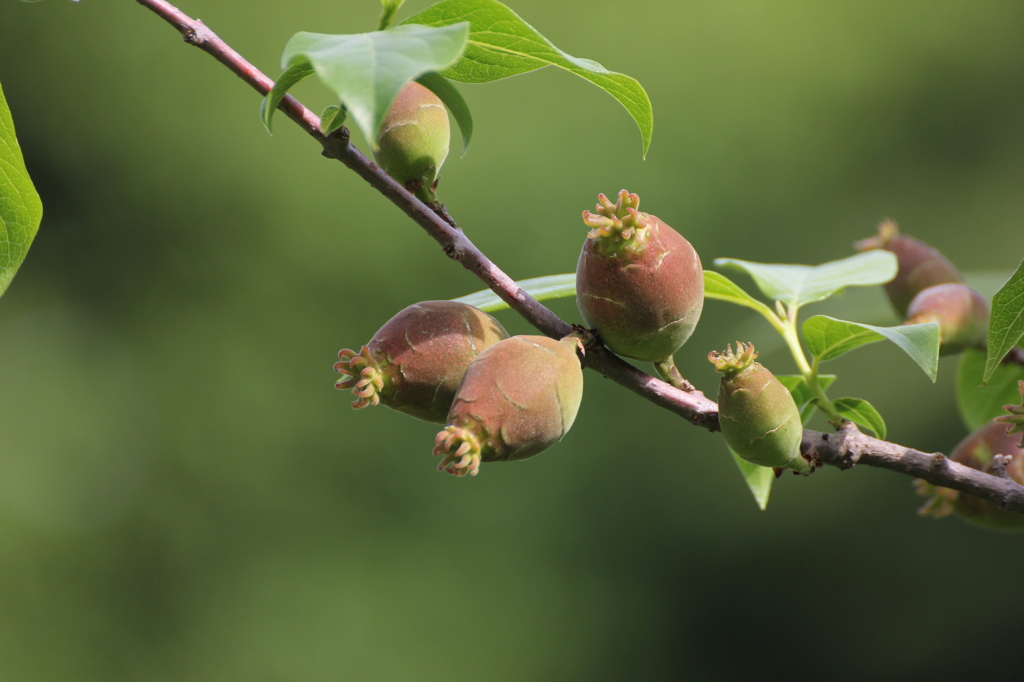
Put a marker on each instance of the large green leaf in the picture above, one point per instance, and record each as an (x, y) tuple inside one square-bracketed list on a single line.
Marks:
[(541, 288), (798, 285), (758, 478), (20, 207), (1006, 324), (979, 404), (862, 413), (827, 338), (501, 44), (367, 70), (721, 288)]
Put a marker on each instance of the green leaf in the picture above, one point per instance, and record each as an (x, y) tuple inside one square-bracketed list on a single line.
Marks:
[(828, 338), (759, 479), (798, 388), (980, 404), (452, 99), (861, 412), (721, 288), (367, 70), (798, 285), (332, 119), (20, 207), (541, 288), (1006, 324), (501, 44), (292, 75), (387, 14)]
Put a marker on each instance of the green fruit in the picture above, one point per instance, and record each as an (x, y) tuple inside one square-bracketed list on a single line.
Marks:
[(757, 414), (413, 140), (517, 399), (639, 283), (962, 314), (920, 265), (976, 451), (415, 362)]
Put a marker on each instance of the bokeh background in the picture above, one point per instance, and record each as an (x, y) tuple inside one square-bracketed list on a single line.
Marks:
[(185, 496)]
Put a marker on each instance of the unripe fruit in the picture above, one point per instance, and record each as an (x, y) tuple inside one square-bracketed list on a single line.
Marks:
[(413, 140), (415, 362), (638, 281), (757, 414), (977, 451), (920, 265), (962, 314), (517, 399)]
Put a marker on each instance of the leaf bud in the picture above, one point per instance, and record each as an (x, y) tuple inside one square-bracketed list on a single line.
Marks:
[(920, 265), (415, 362), (519, 397), (962, 314), (413, 140), (638, 282), (757, 414)]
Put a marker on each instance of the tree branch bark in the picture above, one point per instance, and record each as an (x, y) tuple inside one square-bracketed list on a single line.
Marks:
[(844, 449)]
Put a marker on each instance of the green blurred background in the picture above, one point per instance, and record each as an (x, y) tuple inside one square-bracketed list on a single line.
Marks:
[(185, 496)]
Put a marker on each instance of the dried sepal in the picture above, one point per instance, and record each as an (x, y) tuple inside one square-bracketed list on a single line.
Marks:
[(730, 362), (1015, 418), (940, 500), (361, 373), (460, 449), (617, 224)]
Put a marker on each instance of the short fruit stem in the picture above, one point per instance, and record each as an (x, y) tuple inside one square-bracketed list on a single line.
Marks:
[(670, 373)]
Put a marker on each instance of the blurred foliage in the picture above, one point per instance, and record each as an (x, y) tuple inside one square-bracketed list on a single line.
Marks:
[(184, 495)]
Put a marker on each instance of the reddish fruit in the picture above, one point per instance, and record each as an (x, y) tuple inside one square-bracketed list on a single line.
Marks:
[(415, 362), (638, 281), (978, 451), (920, 265), (517, 399), (413, 140), (962, 314), (757, 414)]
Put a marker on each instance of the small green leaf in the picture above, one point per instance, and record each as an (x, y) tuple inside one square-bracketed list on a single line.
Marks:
[(861, 412), (828, 338), (980, 404), (387, 14), (452, 99), (367, 70), (798, 388), (292, 75), (1006, 324), (541, 288), (332, 119), (501, 44), (759, 479), (20, 207), (798, 285), (721, 288)]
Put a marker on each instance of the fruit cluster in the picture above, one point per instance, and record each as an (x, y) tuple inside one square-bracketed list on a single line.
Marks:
[(640, 287)]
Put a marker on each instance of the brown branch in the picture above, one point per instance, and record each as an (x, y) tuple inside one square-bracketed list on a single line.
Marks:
[(843, 450)]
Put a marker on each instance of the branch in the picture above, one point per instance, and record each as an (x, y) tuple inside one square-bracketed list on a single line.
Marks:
[(843, 450)]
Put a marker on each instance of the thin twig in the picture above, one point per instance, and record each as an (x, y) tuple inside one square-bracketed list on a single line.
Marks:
[(843, 449)]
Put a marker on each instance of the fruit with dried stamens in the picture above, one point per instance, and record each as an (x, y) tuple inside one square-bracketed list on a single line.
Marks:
[(920, 265), (757, 414), (414, 139), (978, 451), (415, 362), (517, 399), (639, 283), (962, 314)]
